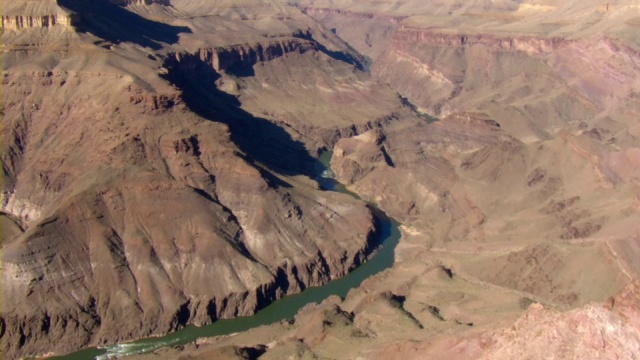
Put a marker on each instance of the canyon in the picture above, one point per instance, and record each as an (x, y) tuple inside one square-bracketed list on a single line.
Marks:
[(160, 169)]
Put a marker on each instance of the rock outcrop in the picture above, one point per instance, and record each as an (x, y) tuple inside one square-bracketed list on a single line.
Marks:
[(18, 22), (21, 14), (241, 56)]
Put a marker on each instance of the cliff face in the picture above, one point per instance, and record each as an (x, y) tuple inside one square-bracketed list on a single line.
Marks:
[(19, 15), (529, 44), (272, 75), (28, 21), (244, 55)]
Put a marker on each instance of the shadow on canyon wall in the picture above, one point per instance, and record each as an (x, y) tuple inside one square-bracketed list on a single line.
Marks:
[(352, 58), (262, 141), (116, 24)]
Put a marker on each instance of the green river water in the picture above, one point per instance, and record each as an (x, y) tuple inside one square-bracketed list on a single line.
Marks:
[(284, 308)]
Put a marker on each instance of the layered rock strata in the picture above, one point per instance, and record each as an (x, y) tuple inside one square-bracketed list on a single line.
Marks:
[(22, 14), (246, 55)]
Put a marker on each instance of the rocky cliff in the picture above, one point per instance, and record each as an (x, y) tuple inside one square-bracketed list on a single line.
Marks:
[(23, 14), (20, 14), (18, 22), (241, 56)]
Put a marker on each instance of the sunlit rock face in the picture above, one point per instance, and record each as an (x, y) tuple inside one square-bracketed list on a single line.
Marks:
[(21, 15)]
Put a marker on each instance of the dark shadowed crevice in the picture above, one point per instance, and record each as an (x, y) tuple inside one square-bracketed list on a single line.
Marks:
[(435, 311), (262, 141), (241, 70), (282, 279), (398, 302), (3, 327), (212, 310), (447, 271), (252, 353), (430, 118), (184, 314), (386, 156)]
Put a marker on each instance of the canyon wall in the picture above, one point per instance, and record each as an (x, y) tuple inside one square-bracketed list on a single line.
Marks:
[(184, 228), (18, 22), (244, 55), (142, 214)]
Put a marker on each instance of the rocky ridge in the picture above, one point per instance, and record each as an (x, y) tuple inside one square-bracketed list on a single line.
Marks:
[(246, 55)]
